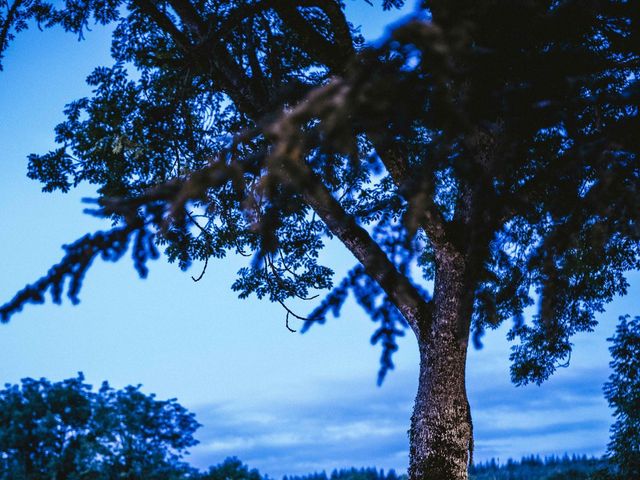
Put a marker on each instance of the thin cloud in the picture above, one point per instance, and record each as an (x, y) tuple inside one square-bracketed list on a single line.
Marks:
[(353, 423)]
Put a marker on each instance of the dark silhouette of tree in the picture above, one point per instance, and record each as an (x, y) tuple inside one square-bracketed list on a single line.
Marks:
[(622, 391), (231, 469), (348, 474), (534, 468), (65, 431), (47, 430), (491, 143)]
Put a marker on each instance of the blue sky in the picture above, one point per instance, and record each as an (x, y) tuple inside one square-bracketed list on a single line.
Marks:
[(282, 402)]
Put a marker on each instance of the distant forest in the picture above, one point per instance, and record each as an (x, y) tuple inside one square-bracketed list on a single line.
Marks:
[(532, 467), (67, 430)]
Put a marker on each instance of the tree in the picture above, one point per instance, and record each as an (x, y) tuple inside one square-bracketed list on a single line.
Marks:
[(623, 394), (47, 430), (66, 431), (491, 143), (231, 469), (145, 437)]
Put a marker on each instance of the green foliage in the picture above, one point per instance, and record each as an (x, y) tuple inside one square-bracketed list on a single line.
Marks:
[(501, 132), (623, 393), (47, 430), (64, 430), (231, 469)]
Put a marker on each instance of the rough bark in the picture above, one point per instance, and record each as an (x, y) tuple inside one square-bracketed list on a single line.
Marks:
[(441, 436)]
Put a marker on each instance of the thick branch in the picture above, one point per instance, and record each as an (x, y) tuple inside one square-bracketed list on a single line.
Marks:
[(149, 8), (429, 217), (339, 24), (397, 286), (209, 53), (189, 17), (377, 265), (258, 79), (330, 54), (323, 102)]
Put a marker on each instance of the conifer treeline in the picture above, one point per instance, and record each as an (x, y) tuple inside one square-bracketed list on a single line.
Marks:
[(531, 467), (534, 467), (352, 473)]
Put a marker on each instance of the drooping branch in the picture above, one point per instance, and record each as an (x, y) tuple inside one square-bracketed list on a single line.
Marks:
[(7, 24), (110, 245)]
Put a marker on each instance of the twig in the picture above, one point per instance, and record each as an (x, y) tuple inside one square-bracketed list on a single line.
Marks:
[(204, 269)]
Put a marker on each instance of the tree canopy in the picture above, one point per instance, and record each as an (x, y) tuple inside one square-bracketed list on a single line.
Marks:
[(65, 430), (547, 90), (486, 151)]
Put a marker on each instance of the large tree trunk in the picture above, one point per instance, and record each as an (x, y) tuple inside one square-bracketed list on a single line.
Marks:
[(441, 436)]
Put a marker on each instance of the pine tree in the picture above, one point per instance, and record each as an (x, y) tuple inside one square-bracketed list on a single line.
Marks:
[(623, 394)]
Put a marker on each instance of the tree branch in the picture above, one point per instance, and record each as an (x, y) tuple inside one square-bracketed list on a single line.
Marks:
[(285, 165), (340, 26), (332, 98), (330, 54), (190, 17), (149, 8), (429, 217), (4, 32), (208, 53)]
